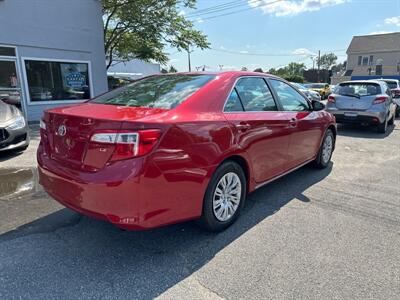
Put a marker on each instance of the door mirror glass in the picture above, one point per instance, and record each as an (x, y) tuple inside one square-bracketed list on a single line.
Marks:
[(317, 105)]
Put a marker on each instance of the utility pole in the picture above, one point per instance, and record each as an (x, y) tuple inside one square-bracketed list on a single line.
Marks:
[(189, 64), (318, 63)]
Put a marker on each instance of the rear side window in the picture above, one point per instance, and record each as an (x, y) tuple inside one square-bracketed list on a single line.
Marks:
[(164, 91), (233, 103), (358, 89), (255, 94)]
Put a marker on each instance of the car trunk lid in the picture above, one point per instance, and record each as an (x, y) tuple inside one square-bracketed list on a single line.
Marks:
[(69, 130), (354, 103)]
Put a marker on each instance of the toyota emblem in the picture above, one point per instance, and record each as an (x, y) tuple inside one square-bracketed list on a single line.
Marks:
[(62, 130)]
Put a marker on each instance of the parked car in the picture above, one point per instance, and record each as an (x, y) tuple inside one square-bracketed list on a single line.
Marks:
[(11, 97), (170, 148), (394, 86), (312, 95), (13, 128), (322, 88), (365, 101)]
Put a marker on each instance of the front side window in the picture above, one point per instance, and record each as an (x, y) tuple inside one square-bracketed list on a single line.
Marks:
[(291, 100), (255, 94), (163, 91), (57, 81)]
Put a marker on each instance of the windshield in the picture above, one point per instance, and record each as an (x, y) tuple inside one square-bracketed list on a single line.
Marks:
[(315, 85), (163, 91), (358, 89)]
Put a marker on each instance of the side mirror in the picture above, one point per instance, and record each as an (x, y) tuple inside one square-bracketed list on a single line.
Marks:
[(317, 106)]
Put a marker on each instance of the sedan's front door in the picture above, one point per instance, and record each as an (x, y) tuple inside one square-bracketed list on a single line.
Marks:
[(260, 128), (307, 126)]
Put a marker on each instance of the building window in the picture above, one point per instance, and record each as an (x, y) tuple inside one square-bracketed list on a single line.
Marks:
[(57, 81), (378, 70), (359, 60), (371, 60), (365, 61), (7, 51)]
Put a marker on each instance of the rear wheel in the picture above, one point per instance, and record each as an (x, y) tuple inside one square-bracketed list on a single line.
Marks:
[(224, 197), (326, 150), (391, 121), (383, 126)]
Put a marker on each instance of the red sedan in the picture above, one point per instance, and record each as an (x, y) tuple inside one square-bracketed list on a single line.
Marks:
[(170, 148)]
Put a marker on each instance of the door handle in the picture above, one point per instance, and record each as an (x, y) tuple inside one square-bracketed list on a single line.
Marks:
[(292, 122), (243, 126)]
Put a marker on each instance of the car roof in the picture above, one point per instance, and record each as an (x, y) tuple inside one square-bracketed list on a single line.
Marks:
[(361, 81), (225, 73)]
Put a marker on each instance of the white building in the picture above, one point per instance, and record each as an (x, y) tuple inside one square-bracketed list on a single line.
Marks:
[(51, 52)]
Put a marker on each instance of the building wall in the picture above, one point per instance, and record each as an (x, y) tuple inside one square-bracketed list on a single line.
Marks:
[(390, 61), (68, 30)]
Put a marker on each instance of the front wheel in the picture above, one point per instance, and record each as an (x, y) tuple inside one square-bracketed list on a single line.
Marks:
[(224, 197), (326, 150)]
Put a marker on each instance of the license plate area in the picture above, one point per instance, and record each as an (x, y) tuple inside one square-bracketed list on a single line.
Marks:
[(350, 114)]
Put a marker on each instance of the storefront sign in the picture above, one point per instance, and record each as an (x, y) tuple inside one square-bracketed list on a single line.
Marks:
[(75, 80)]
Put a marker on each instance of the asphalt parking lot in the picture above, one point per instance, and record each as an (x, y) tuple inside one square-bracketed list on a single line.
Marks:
[(313, 234)]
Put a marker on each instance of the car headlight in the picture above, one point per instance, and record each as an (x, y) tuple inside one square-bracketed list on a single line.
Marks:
[(17, 123)]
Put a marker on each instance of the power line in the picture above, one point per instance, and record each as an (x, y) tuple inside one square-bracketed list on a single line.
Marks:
[(221, 7), (241, 10), (259, 54)]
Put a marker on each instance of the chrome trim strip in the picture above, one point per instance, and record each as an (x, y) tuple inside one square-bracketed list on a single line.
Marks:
[(283, 174)]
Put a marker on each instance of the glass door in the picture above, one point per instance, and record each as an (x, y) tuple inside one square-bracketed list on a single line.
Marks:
[(10, 89)]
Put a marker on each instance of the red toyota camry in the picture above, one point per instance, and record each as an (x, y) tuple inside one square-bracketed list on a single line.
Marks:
[(170, 148)]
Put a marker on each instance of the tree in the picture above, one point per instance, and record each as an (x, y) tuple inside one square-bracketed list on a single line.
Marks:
[(142, 28), (327, 60), (294, 68), (172, 69), (244, 69), (259, 70), (164, 71)]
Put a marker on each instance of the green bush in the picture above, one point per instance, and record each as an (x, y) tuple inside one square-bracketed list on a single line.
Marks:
[(293, 78)]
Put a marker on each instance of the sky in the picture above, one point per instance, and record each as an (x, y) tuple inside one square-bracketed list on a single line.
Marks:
[(272, 33)]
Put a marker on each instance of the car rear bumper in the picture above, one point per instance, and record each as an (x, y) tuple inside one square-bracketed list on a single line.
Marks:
[(358, 117), (131, 194), (14, 139)]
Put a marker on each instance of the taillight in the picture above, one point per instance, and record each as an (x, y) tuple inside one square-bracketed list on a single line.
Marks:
[(128, 144), (380, 99), (331, 99)]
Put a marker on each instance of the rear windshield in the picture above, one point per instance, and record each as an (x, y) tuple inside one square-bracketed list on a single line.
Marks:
[(391, 84), (358, 89), (163, 91)]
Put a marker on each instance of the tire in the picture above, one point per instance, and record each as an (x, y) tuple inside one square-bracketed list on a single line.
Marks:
[(211, 218), (325, 151), (382, 128), (397, 114), (21, 148), (391, 121)]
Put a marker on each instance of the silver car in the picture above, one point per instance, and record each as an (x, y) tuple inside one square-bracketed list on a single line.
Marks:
[(13, 128), (367, 102), (311, 95)]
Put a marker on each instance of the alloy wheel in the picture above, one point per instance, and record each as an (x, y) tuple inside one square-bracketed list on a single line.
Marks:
[(227, 196)]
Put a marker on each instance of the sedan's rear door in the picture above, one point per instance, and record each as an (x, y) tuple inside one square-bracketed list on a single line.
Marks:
[(259, 127)]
